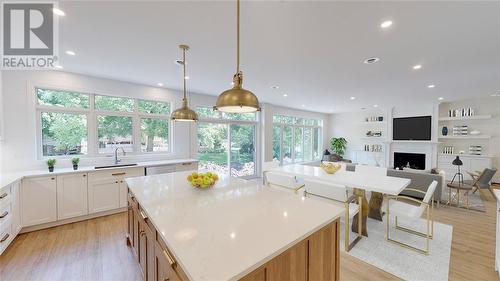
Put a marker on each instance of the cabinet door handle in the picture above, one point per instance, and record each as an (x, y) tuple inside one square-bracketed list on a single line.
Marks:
[(116, 181), (4, 215), (144, 217), (84, 175), (52, 178), (142, 232), (119, 174), (3, 195), (171, 260), (4, 238), (185, 164)]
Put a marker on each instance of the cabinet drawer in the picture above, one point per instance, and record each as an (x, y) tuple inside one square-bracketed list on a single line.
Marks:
[(120, 173), (5, 216), (5, 238), (5, 196), (132, 202), (189, 166), (143, 218)]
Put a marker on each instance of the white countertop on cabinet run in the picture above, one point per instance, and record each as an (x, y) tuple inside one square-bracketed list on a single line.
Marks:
[(226, 232), (8, 178)]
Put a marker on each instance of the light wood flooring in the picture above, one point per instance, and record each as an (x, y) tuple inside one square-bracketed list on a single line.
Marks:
[(96, 250)]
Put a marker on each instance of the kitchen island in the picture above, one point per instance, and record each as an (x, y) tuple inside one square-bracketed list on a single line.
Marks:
[(236, 230)]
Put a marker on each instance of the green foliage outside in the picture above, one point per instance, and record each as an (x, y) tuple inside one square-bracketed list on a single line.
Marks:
[(67, 131)]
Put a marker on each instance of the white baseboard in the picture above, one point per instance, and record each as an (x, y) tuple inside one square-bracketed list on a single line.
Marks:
[(71, 220)]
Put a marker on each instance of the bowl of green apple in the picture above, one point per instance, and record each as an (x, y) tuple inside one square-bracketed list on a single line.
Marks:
[(203, 180)]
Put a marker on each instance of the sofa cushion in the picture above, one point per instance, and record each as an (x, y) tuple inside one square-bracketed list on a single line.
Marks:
[(420, 181)]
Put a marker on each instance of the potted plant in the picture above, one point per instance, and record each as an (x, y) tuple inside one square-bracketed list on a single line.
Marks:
[(338, 145), (51, 163), (75, 162)]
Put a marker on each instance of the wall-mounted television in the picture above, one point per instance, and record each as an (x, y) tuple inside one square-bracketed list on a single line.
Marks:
[(412, 128)]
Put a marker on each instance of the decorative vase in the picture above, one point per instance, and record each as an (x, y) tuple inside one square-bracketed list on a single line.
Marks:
[(444, 131), (75, 167), (51, 169)]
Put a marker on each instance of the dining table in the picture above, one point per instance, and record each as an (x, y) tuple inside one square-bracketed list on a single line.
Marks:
[(361, 183)]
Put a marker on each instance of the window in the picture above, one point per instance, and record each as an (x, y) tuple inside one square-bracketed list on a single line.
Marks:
[(154, 135), (63, 134), (114, 103), (67, 117), (296, 139), (62, 98), (226, 142), (114, 132)]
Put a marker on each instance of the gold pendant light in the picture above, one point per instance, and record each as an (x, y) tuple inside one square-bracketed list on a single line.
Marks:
[(184, 113), (237, 99)]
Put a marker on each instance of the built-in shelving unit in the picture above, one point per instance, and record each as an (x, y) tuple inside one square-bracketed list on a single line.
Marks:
[(465, 154), (464, 118), (374, 123), (470, 137)]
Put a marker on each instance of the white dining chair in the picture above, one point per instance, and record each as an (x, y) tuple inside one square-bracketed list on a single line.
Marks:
[(337, 194), (397, 207), (281, 180), (268, 166)]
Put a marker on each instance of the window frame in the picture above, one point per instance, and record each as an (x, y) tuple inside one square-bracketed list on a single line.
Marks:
[(91, 113), (293, 125), (228, 122)]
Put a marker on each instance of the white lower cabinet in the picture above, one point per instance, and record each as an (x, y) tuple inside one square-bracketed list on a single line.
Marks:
[(39, 200), (104, 195), (71, 196)]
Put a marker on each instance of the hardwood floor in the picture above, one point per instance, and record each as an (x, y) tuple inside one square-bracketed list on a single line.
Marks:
[(96, 250)]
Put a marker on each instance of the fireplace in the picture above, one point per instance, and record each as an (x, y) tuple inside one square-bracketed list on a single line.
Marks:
[(411, 160)]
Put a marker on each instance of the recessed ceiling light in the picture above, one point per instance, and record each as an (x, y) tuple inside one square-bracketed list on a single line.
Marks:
[(275, 87), (371, 60), (303, 105), (440, 98), (375, 105), (418, 66), (353, 98), (431, 86), (71, 53), (386, 24), (58, 12), (160, 84), (186, 77), (58, 66), (285, 95)]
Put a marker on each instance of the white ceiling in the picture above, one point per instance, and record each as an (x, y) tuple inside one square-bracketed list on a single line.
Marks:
[(312, 50)]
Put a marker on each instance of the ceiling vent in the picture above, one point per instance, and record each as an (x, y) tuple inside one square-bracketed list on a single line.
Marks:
[(371, 60)]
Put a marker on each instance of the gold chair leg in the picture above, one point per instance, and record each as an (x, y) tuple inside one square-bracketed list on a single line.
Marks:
[(426, 235)]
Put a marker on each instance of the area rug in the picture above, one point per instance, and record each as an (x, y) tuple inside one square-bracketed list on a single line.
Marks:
[(475, 201), (401, 262)]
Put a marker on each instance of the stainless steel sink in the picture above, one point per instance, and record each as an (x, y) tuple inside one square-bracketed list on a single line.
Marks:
[(115, 166)]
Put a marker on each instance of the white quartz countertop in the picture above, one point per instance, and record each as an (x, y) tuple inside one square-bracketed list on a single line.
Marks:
[(369, 182), (8, 178), (497, 194), (226, 232)]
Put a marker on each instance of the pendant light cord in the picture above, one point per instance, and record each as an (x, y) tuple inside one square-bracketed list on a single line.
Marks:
[(238, 36), (184, 71)]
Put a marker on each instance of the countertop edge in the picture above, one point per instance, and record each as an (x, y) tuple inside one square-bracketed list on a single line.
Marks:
[(258, 264), (65, 171)]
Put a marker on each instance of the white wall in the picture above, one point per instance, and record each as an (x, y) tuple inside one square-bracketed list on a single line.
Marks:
[(19, 149), (267, 125), (352, 127), (482, 106)]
